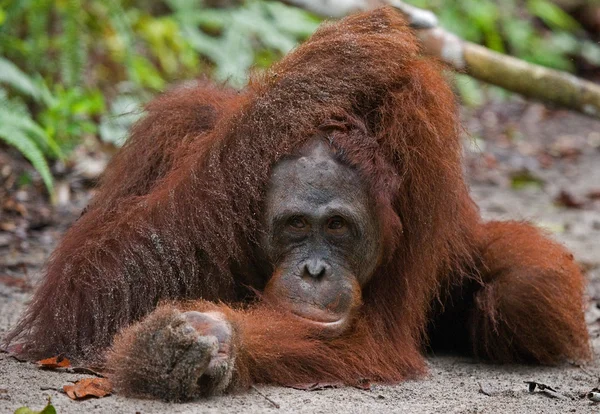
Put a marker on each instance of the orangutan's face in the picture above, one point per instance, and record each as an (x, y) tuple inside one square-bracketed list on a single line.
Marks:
[(323, 236)]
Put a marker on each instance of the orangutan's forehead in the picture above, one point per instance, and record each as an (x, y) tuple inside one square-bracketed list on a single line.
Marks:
[(315, 174)]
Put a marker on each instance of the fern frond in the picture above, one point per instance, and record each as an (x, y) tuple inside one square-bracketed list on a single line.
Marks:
[(14, 10), (18, 139), (73, 48), (14, 114), (121, 23), (38, 16), (12, 76)]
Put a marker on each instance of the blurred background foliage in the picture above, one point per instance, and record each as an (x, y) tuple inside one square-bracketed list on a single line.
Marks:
[(72, 69)]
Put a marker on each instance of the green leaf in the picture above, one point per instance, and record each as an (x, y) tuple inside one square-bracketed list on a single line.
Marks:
[(453, 19), (48, 409), (234, 39), (545, 54), (20, 140), (591, 52), (146, 74), (72, 47), (87, 103), (552, 15), (525, 179), (292, 20), (38, 16), (565, 43), (254, 20), (518, 33), (12, 76), (469, 90), (556, 228), (211, 20), (124, 112), (232, 53), (15, 115)]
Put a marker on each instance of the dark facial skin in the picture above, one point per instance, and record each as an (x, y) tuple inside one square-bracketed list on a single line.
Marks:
[(323, 236)]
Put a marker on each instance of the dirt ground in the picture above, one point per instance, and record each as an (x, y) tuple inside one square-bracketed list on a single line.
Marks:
[(524, 162)]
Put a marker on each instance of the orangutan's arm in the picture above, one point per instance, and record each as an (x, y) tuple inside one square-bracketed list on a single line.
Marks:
[(184, 351)]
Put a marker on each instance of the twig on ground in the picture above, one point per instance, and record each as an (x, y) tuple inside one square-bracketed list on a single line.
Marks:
[(276, 405), (582, 368), (52, 389)]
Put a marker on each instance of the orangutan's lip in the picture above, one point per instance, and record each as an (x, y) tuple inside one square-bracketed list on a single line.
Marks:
[(327, 324)]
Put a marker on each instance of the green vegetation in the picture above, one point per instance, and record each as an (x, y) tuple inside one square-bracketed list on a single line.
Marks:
[(537, 31), (71, 68), (48, 409), (76, 68)]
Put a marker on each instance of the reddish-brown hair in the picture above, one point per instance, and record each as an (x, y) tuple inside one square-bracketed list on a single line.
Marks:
[(178, 214)]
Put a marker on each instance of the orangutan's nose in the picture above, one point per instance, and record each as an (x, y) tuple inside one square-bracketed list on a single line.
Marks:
[(316, 268)]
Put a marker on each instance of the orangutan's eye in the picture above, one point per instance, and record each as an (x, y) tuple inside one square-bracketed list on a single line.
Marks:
[(336, 223), (297, 222)]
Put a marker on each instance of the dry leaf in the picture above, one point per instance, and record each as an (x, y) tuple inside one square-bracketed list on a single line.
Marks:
[(8, 226), (55, 362), (364, 384), (566, 199), (13, 205), (88, 387), (16, 282), (594, 195)]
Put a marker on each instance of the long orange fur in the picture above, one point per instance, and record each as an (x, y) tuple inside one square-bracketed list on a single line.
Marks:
[(178, 217)]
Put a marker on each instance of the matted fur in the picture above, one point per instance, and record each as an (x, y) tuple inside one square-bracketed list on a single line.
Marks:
[(178, 217)]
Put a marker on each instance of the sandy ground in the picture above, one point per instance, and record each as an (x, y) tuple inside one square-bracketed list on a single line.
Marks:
[(454, 384)]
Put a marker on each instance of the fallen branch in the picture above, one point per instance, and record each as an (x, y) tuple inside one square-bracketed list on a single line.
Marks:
[(533, 81), (508, 72)]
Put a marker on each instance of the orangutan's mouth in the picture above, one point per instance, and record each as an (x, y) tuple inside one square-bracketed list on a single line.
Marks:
[(327, 322)]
